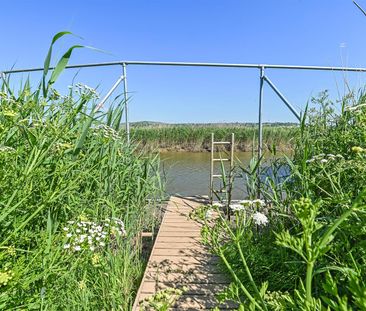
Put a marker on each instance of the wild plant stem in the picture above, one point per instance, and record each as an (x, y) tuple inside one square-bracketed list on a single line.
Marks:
[(250, 275), (237, 280), (309, 278)]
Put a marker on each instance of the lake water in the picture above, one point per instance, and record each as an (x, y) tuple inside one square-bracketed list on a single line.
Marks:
[(188, 173)]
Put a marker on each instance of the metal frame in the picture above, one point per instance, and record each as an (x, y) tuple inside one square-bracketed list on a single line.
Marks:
[(263, 78)]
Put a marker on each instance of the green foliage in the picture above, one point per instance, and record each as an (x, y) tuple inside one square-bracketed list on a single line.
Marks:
[(311, 255), (163, 300), (62, 162), (198, 137)]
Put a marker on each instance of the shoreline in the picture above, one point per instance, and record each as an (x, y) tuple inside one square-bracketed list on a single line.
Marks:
[(203, 149)]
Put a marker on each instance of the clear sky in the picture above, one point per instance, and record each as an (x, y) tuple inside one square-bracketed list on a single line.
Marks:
[(306, 32)]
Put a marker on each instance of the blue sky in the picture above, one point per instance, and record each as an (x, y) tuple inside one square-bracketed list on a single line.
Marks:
[(306, 32)]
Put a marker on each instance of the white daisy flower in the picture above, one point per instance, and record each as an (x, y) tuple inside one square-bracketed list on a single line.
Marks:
[(236, 207), (260, 219)]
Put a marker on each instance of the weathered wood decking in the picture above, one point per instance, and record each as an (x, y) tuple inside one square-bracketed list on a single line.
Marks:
[(178, 260)]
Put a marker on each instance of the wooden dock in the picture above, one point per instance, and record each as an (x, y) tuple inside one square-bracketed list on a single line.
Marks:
[(179, 260)]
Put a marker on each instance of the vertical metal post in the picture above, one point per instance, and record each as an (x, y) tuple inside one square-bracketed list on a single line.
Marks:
[(125, 92), (232, 151), (260, 126), (3, 76), (212, 168)]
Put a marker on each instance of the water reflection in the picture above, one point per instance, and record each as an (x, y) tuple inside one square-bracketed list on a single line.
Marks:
[(188, 173)]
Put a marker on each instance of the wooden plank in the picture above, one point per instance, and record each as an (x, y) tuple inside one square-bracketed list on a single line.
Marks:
[(186, 239), (179, 259), (176, 226), (195, 252), (203, 259), (191, 233), (187, 278), (151, 287), (196, 302), (201, 302), (180, 245), (180, 268), (179, 221)]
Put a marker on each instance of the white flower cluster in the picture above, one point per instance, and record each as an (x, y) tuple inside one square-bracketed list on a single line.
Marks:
[(237, 207), (85, 90), (106, 131), (83, 235), (209, 214), (355, 108), (6, 149), (243, 204), (260, 219), (54, 94), (324, 158)]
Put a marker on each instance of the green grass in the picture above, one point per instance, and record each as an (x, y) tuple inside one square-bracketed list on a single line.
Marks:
[(197, 137), (65, 168), (311, 253)]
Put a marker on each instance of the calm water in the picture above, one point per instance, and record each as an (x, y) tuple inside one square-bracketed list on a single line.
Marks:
[(188, 173)]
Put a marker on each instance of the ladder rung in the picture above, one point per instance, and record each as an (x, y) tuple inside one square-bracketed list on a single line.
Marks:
[(219, 160), (217, 175), (221, 142)]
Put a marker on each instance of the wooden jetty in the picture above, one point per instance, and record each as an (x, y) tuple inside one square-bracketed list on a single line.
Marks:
[(179, 260)]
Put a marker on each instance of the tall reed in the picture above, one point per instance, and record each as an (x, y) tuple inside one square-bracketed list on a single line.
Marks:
[(74, 200), (198, 137)]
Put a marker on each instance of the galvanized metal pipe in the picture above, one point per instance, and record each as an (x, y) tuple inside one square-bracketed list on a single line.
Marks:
[(212, 167), (283, 98), (102, 102), (260, 128), (260, 125), (195, 64), (125, 91)]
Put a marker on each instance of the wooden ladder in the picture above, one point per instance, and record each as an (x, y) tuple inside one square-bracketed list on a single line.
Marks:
[(229, 179)]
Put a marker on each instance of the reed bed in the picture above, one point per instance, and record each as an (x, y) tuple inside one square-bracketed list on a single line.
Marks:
[(197, 137)]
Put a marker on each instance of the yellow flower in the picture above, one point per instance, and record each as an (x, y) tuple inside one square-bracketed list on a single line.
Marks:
[(9, 113), (357, 149), (82, 285), (5, 277), (11, 251), (95, 260), (82, 217)]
